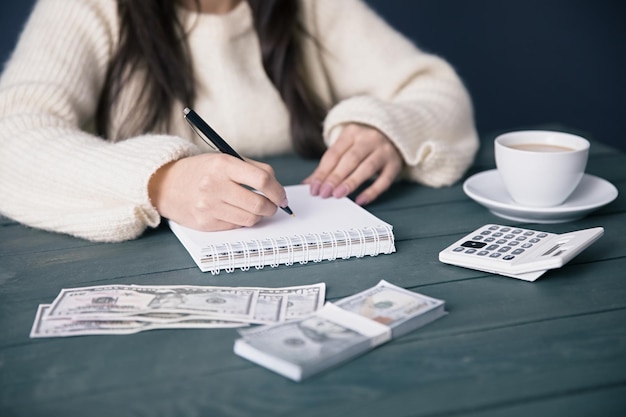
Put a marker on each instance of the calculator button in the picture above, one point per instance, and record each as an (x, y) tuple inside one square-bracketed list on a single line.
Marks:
[(495, 255), (492, 247), (501, 241), (529, 233), (521, 238), (518, 251), (477, 237), (483, 253), (473, 244), (498, 234), (509, 257), (489, 239), (534, 240), (509, 236), (458, 249), (494, 228), (470, 251), (517, 231), (505, 229), (542, 235), (505, 249), (485, 232), (513, 243), (527, 245)]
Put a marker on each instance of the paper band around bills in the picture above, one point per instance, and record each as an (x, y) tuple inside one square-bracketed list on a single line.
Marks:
[(378, 333)]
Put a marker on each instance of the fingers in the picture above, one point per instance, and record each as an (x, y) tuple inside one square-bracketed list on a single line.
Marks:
[(380, 184), (205, 192), (261, 177), (243, 207), (327, 164), (355, 166), (238, 205), (227, 170), (221, 215), (227, 217), (359, 154)]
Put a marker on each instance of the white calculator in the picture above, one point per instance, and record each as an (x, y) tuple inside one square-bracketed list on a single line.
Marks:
[(517, 252)]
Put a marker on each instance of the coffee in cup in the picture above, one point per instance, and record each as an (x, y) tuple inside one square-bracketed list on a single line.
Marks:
[(540, 168)]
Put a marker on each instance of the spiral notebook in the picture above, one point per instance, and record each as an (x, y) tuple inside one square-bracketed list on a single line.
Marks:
[(322, 229)]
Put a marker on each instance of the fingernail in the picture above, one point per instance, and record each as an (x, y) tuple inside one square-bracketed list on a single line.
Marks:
[(326, 191), (285, 203), (341, 191), (315, 187), (361, 200)]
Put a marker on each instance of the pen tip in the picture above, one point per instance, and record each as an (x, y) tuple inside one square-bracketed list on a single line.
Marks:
[(187, 110)]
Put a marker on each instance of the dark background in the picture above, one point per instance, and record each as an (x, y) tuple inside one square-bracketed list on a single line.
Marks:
[(527, 63)]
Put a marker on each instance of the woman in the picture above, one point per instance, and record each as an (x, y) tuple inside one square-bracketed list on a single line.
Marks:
[(93, 142)]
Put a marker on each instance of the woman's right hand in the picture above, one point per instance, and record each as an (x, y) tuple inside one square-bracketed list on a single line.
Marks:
[(204, 192)]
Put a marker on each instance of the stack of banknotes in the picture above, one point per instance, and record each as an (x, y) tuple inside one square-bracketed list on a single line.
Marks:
[(338, 332), (125, 309)]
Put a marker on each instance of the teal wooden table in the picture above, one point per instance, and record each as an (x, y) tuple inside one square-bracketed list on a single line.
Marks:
[(508, 347)]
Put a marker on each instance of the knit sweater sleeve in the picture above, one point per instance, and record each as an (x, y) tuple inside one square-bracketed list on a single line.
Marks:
[(379, 78), (53, 174)]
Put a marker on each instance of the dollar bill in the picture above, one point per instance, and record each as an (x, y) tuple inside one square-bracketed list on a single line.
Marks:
[(67, 326), (294, 302), (393, 306), (126, 300), (126, 309), (300, 348), (338, 332)]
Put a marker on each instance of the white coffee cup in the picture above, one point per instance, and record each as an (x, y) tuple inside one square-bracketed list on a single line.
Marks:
[(540, 168)]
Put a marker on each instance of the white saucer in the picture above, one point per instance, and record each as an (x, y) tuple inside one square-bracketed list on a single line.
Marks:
[(486, 188)]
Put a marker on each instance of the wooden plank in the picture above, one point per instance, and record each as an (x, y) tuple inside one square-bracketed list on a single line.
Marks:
[(452, 376), (605, 401), (16, 238), (93, 264), (483, 369), (99, 263), (458, 218)]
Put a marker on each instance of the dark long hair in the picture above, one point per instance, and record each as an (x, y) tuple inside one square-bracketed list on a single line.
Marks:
[(153, 45)]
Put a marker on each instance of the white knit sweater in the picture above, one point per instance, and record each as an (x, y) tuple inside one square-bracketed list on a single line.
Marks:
[(56, 175)]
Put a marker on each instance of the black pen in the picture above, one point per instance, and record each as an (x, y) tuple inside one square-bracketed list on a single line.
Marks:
[(214, 140)]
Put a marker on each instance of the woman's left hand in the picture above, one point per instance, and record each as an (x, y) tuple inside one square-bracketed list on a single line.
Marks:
[(360, 153)]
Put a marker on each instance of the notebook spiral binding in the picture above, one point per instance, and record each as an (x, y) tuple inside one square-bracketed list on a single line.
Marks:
[(287, 250)]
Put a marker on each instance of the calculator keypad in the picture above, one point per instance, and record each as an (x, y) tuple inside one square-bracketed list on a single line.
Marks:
[(501, 242)]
